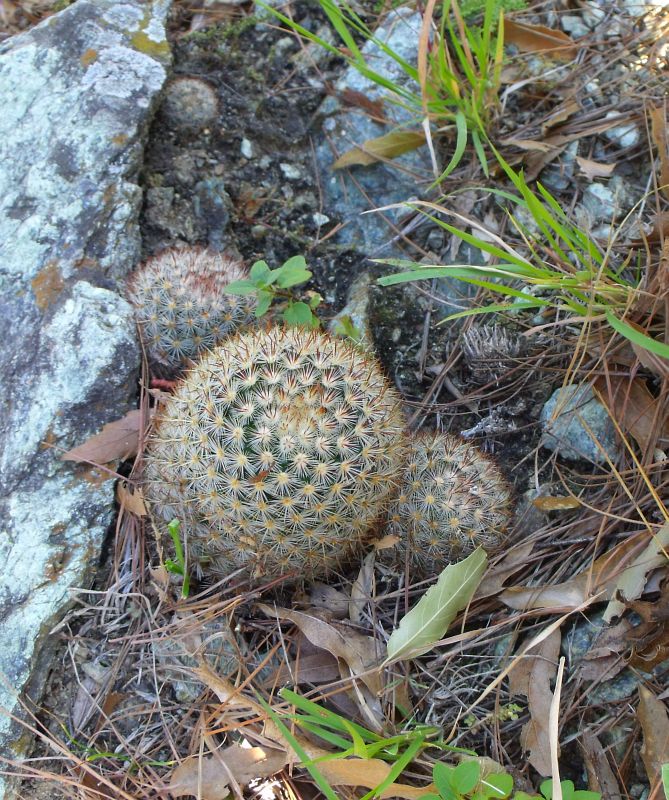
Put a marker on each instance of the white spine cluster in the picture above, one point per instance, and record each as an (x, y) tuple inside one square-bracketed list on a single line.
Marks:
[(181, 304), (452, 500), (279, 451)]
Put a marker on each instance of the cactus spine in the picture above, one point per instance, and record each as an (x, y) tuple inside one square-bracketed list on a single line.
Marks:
[(278, 451), (452, 500), (181, 304)]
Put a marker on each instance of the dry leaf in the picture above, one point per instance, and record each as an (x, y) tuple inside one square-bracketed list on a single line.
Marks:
[(375, 108), (604, 659), (567, 109), (593, 169), (600, 775), (208, 778), (650, 638), (601, 578), (383, 147), (654, 721), (494, 580), (363, 588), (537, 38), (633, 407), (132, 501), (556, 503), (632, 579), (316, 668), (532, 677), (326, 599), (658, 127), (357, 651), (117, 441)]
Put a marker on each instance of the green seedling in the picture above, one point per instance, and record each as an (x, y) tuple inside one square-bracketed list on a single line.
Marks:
[(178, 567), (271, 285)]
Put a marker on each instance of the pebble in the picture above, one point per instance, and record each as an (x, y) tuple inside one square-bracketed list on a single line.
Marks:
[(571, 418), (247, 148), (291, 172)]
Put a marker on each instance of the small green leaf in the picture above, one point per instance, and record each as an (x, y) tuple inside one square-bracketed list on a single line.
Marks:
[(465, 776), (241, 287), (294, 271), (264, 302), (584, 794), (665, 780), (315, 300), (259, 273), (442, 775), (298, 314), (498, 785), (429, 619)]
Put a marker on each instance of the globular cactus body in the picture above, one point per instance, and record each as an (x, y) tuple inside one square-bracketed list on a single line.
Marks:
[(278, 451), (181, 304), (453, 499)]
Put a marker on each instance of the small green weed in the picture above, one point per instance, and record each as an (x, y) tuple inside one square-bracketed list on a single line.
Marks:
[(464, 781), (271, 285), (178, 567), (564, 269), (457, 76)]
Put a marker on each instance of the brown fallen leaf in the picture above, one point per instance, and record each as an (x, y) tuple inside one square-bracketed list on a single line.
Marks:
[(357, 651), (329, 601), (363, 588), (494, 580), (631, 581), (537, 38), (600, 579), (317, 668), (593, 169), (654, 720), (383, 147), (600, 775), (132, 501), (605, 658), (374, 108), (117, 441), (658, 128), (650, 639), (208, 778), (556, 503), (633, 406), (532, 677)]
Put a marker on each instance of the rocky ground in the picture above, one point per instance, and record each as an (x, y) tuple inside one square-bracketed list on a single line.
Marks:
[(238, 156)]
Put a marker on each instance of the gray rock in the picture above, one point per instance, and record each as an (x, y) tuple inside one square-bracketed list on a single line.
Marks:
[(574, 421), (625, 135), (189, 105), (78, 90), (600, 202), (348, 193)]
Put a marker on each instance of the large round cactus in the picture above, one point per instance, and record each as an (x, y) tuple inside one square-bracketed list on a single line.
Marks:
[(278, 452), (452, 500), (181, 304)]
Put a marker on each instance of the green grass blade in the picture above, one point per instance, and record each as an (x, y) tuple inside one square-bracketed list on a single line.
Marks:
[(315, 773), (397, 768), (460, 145), (491, 309), (636, 337), (480, 152)]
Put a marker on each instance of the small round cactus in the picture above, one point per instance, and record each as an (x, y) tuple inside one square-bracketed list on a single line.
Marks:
[(452, 500), (278, 452), (181, 304)]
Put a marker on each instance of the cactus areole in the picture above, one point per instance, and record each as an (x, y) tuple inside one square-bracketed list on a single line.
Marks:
[(453, 499), (277, 452)]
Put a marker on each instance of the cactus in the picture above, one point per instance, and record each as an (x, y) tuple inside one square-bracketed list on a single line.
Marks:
[(181, 304), (452, 500), (278, 451)]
